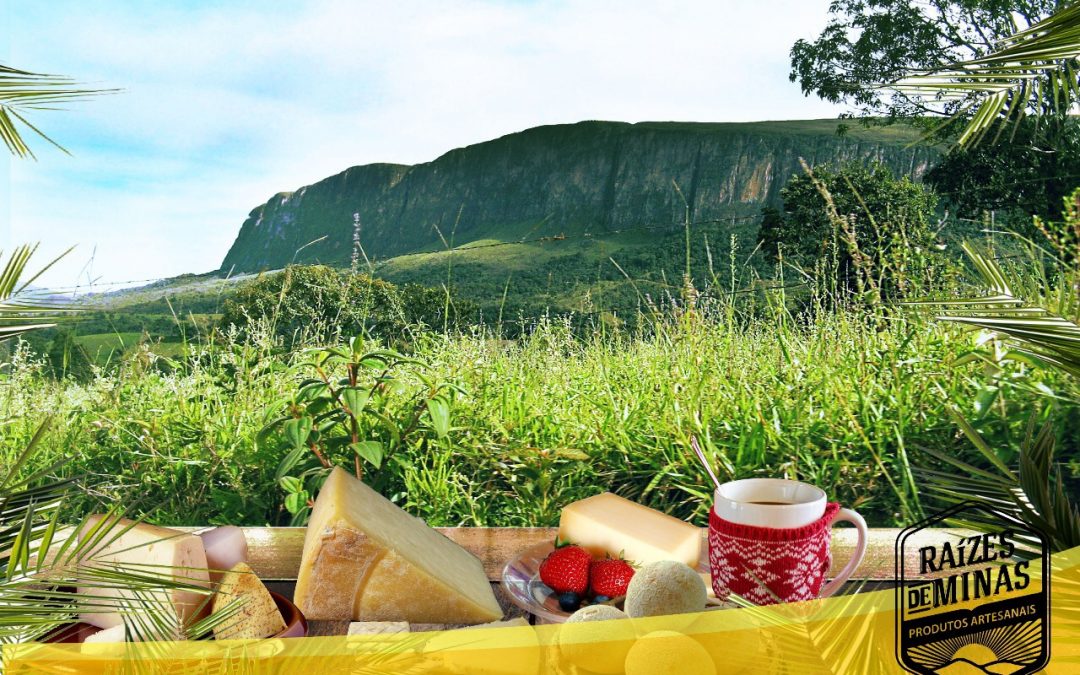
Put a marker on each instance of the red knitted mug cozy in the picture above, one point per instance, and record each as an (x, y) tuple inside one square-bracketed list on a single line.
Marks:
[(764, 564)]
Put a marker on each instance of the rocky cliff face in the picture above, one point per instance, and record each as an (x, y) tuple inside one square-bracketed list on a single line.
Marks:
[(565, 179)]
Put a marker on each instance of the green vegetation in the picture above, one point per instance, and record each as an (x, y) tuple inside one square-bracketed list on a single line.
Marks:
[(835, 398), (996, 81), (315, 302), (781, 370), (557, 183), (857, 218)]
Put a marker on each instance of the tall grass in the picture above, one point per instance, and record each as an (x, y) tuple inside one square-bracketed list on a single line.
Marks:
[(841, 399)]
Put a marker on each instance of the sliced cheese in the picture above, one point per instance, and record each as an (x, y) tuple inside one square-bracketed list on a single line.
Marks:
[(257, 614), (365, 559), (607, 524), (146, 550), (225, 546)]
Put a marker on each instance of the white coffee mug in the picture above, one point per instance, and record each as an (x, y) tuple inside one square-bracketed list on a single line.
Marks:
[(786, 504)]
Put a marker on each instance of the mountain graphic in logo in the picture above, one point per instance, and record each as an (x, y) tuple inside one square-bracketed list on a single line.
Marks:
[(999, 651)]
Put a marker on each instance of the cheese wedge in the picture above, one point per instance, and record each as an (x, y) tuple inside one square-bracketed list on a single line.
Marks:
[(147, 550), (257, 617), (607, 524), (367, 560)]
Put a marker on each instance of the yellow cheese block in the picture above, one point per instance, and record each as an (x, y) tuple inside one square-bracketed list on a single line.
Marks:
[(256, 617), (148, 550), (367, 560), (607, 524)]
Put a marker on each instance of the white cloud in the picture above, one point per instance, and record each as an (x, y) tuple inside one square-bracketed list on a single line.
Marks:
[(225, 105)]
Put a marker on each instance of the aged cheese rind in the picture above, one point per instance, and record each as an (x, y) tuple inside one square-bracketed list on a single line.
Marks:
[(257, 617), (365, 559), (607, 524), (148, 550)]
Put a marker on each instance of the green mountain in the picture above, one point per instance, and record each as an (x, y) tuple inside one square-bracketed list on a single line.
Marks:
[(541, 213)]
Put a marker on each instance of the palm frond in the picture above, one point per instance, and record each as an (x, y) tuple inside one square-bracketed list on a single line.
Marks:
[(22, 91), (1037, 331), (1033, 492), (50, 573), (22, 308), (1036, 69)]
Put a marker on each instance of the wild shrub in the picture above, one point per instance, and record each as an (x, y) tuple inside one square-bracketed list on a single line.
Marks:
[(875, 231), (318, 303)]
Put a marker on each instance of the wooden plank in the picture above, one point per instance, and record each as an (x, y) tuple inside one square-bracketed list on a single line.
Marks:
[(275, 551)]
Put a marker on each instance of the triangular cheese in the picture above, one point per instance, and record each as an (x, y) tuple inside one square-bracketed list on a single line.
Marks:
[(258, 615), (365, 559)]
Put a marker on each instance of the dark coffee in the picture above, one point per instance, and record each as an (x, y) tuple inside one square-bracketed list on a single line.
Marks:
[(771, 503)]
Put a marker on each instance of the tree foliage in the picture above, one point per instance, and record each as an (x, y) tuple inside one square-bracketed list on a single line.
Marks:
[(1031, 72), (322, 301), (869, 43), (1032, 176), (885, 224)]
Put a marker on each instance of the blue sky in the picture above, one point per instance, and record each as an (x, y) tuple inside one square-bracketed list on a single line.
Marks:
[(224, 104)]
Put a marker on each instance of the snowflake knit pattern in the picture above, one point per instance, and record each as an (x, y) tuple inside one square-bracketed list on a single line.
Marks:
[(767, 565)]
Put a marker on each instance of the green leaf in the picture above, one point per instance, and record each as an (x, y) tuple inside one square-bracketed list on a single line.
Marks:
[(984, 400), (355, 398), (371, 452), (312, 392), (297, 431), (357, 344), (981, 445), (439, 411), (572, 453), (291, 484), (296, 502), (291, 460), (23, 310)]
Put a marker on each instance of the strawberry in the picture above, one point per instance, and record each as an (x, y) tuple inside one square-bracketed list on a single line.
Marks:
[(610, 577), (566, 569)]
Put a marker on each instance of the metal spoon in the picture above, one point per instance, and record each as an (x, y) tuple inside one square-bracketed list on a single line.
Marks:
[(704, 462)]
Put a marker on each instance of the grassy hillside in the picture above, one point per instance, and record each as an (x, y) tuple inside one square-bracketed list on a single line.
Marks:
[(582, 273)]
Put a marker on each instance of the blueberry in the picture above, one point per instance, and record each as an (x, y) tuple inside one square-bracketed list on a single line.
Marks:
[(600, 599), (569, 601)]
